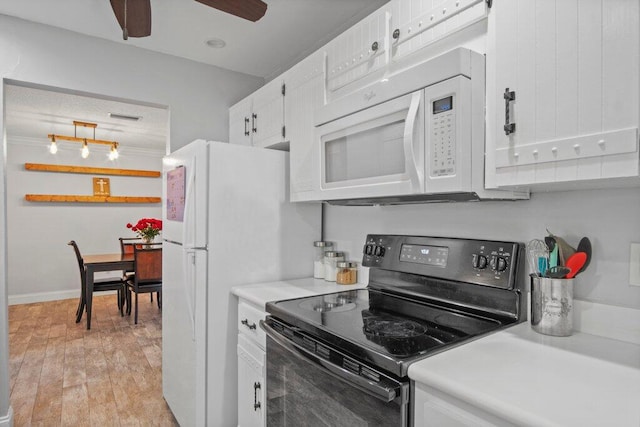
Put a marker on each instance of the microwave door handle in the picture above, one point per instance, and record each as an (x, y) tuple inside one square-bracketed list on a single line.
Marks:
[(411, 162), (386, 394)]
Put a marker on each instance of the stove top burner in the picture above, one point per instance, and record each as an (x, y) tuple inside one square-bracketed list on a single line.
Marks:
[(334, 303), (393, 328)]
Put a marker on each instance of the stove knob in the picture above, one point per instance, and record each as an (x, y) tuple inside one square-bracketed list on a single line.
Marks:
[(482, 262), (368, 249), (379, 251), (501, 264)]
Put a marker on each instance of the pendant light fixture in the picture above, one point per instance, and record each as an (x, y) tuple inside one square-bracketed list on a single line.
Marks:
[(53, 148)]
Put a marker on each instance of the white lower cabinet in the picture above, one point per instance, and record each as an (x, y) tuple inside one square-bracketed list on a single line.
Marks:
[(251, 367), (251, 384), (437, 409)]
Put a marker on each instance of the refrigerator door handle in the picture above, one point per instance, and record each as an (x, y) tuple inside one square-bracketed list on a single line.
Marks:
[(190, 258), (187, 204)]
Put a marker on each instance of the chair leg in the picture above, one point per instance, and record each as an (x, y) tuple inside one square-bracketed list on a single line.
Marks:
[(136, 313), (159, 298), (151, 296), (80, 310), (128, 296), (121, 301)]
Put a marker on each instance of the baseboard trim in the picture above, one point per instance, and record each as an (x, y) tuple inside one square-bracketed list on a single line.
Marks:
[(7, 420), (47, 296)]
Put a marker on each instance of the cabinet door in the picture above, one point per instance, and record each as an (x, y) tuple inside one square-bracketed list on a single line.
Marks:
[(358, 52), (304, 95), (267, 118), (433, 408), (572, 68), (416, 24), (251, 385), (240, 122)]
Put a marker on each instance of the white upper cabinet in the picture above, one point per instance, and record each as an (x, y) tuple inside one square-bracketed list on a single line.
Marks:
[(562, 92), (416, 24), (358, 52), (240, 122), (305, 84), (259, 119)]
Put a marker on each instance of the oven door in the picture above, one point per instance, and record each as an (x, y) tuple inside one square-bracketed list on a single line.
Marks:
[(310, 384), (375, 152)]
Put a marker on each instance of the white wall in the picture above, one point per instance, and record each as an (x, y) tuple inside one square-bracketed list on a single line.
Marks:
[(610, 218), (37, 233), (198, 97)]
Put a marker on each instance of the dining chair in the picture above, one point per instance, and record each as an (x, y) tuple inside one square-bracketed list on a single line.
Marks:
[(147, 275), (99, 285), (126, 247)]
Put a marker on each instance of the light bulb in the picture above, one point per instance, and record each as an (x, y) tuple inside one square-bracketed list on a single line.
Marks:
[(113, 154), (85, 151), (53, 148)]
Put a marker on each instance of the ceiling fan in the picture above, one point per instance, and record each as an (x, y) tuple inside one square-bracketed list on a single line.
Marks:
[(134, 16)]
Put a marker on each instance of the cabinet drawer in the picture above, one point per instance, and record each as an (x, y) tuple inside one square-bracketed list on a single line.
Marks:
[(249, 319)]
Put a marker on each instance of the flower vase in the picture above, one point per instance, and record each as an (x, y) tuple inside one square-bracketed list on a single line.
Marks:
[(147, 242)]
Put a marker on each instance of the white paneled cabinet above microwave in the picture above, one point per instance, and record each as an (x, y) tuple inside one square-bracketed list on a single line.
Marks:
[(563, 93)]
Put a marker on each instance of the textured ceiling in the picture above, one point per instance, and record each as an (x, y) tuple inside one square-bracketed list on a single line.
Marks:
[(34, 113)]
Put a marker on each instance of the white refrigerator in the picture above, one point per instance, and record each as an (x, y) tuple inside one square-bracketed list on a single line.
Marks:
[(227, 220)]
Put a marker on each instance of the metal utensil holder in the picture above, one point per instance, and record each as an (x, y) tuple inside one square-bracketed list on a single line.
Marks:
[(552, 306)]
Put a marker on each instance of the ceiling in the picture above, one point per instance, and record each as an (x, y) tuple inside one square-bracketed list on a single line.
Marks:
[(33, 113), (289, 31)]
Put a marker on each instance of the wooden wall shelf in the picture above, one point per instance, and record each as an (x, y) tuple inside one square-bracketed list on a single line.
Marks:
[(62, 198), (90, 170)]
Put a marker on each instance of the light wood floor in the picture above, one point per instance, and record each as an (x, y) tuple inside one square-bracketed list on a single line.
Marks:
[(64, 375)]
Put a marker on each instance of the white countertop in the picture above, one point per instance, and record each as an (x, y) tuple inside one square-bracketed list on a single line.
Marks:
[(533, 379), (261, 293)]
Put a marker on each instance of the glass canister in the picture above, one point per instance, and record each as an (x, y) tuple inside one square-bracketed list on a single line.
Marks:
[(331, 260), (318, 260), (347, 273)]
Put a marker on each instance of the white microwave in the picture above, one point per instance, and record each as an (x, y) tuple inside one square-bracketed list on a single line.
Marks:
[(416, 136)]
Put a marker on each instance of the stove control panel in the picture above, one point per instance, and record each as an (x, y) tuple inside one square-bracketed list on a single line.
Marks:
[(483, 262)]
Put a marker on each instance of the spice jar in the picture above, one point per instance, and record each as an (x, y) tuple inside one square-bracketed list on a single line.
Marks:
[(347, 273), (331, 260), (318, 260)]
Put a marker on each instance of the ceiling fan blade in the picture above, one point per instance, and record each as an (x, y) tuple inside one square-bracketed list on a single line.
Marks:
[(138, 16), (251, 10)]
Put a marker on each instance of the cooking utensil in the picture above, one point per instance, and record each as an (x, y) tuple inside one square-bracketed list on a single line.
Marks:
[(558, 272), (543, 265), (575, 263), (553, 257), (585, 246), (550, 242), (565, 250), (536, 249)]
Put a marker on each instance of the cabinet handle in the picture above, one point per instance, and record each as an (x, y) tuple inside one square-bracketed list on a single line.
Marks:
[(374, 46), (396, 34), (256, 404), (509, 128), (246, 126), (254, 123), (245, 322)]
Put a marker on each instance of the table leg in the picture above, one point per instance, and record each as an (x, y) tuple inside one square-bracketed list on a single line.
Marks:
[(88, 293)]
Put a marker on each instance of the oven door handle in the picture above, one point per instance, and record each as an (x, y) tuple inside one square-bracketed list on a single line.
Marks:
[(386, 394)]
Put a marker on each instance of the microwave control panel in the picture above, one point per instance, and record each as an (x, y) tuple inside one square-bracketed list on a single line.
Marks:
[(443, 137)]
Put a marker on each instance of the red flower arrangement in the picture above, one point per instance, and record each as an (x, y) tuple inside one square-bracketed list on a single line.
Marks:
[(147, 228)]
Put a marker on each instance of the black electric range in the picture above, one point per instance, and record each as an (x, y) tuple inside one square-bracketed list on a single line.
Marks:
[(424, 295)]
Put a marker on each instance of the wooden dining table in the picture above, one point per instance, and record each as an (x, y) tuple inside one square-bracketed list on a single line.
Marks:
[(102, 262)]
